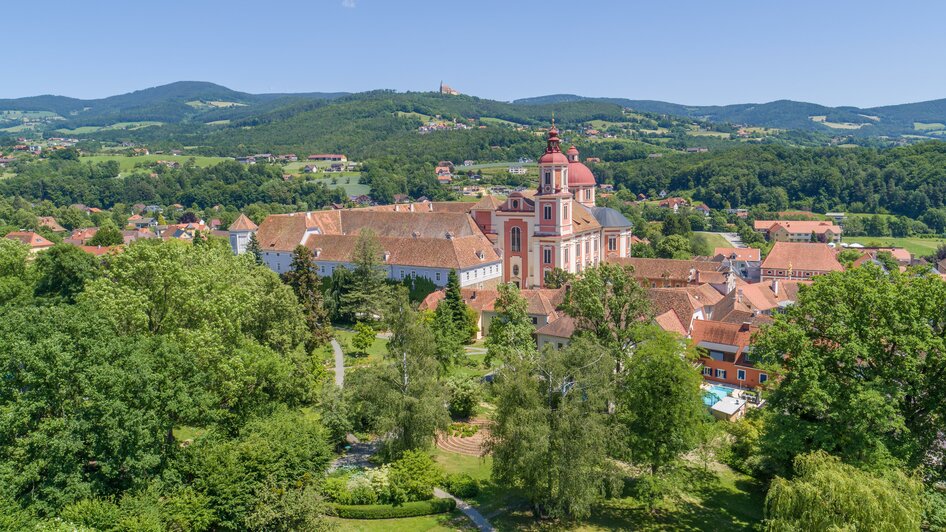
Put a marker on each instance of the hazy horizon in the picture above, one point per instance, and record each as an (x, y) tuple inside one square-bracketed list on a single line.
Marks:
[(846, 53)]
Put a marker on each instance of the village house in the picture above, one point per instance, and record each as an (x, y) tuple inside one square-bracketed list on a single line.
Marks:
[(673, 204), (799, 231), (798, 261), (36, 242), (328, 157), (671, 273), (745, 262), (517, 170), (726, 353), (50, 223)]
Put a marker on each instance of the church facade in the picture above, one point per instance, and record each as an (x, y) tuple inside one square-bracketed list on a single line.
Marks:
[(556, 225)]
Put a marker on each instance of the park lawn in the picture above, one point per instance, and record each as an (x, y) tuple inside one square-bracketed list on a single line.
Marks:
[(474, 366), (722, 500), (498, 122), (919, 247), (374, 353), (715, 240), (492, 499), (432, 523)]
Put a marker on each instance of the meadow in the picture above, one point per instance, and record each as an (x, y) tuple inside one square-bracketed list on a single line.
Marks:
[(919, 247)]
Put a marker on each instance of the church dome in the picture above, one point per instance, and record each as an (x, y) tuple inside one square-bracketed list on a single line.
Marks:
[(578, 173), (553, 157)]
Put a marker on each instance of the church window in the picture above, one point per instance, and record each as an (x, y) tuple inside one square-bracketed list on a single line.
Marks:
[(548, 212), (565, 212), (515, 239), (515, 270), (547, 255), (548, 177)]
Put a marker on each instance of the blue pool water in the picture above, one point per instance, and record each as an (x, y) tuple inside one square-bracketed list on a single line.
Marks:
[(715, 393)]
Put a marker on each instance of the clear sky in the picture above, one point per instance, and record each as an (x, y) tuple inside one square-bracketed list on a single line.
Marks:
[(834, 52)]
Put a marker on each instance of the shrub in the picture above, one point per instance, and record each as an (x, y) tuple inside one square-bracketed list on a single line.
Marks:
[(462, 485), (359, 491), (464, 396), (414, 475), (387, 511), (93, 513)]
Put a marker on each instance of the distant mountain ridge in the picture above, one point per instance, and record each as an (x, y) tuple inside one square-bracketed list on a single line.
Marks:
[(195, 103), (789, 114), (174, 102)]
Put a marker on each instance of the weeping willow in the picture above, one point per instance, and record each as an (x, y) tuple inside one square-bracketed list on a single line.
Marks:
[(831, 496)]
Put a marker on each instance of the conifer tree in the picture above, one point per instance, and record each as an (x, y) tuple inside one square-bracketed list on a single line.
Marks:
[(366, 294), (305, 282), (252, 247)]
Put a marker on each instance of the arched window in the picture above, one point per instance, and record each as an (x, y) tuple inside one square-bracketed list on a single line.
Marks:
[(515, 239)]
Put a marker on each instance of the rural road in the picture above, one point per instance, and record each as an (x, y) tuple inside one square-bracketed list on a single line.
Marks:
[(733, 239), (481, 522), (339, 364)]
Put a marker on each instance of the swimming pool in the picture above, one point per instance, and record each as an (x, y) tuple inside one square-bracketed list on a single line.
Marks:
[(715, 393)]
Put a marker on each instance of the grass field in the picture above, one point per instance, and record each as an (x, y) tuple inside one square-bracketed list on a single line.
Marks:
[(498, 122), (934, 126), (918, 246), (131, 126), (427, 523), (714, 240), (374, 353), (127, 163)]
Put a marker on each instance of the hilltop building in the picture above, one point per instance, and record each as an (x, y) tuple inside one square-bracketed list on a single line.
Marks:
[(448, 90)]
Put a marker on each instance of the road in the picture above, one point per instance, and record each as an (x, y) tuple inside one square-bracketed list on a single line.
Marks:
[(733, 239)]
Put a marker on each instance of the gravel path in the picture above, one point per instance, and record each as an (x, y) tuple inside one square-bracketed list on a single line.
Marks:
[(481, 522)]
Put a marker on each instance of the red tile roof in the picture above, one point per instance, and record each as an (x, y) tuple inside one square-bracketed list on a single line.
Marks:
[(746, 254), (31, 239), (243, 223), (802, 256)]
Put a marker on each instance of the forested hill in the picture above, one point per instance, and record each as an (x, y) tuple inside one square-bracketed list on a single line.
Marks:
[(175, 102), (922, 118)]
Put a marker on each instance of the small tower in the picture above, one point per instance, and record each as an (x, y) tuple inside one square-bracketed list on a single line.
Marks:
[(553, 199), (240, 232), (581, 182)]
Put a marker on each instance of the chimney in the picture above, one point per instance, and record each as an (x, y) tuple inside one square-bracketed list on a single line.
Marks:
[(430, 207), (775, 287), (410, 207), (397, 208), (386, 256), (473, 296), (739, 295)]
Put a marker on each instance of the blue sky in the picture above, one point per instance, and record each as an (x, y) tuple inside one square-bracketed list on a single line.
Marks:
[(834, 52)]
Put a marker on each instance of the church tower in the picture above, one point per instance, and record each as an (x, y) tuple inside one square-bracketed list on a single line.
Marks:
[(581, 182), (553, 199)]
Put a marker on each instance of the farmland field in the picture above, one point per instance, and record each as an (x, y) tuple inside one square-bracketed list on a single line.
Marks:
[(127, 163), (918, 246)]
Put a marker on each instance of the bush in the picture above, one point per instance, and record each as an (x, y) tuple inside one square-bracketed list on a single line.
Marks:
[(387, 511), (464, 396), (462, 485), (414, 476)]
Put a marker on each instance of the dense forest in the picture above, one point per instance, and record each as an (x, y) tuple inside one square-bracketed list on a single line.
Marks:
[(905, 181), (65, 182)]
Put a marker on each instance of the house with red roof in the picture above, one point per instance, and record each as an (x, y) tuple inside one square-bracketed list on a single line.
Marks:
[(36, 242), (798, 261), (726, 353), (799, 231)]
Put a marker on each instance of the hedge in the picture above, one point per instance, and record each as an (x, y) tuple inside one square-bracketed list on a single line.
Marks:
[(387, 511)]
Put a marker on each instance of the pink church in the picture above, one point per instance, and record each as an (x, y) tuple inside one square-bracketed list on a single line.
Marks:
[(555, 225)]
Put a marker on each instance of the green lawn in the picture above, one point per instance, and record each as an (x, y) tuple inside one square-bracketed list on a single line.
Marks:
[(714, 240), (127, 163), (375, 352), (434, 523), (918, 246)]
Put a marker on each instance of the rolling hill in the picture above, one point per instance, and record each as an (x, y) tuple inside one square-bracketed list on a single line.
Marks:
[(893, 120)]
